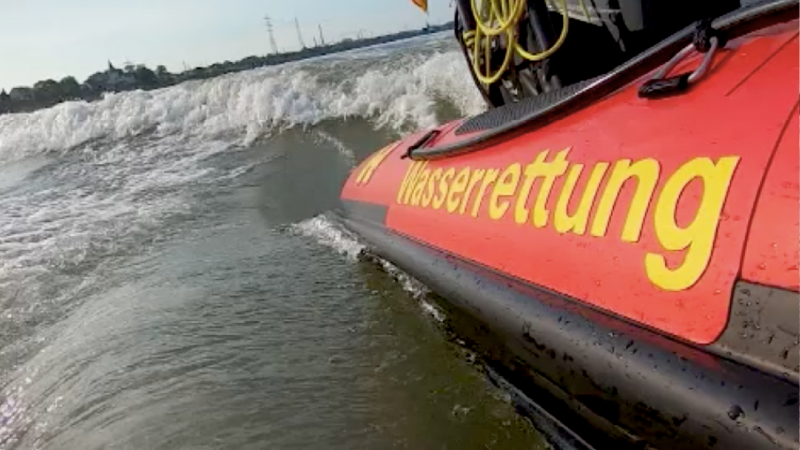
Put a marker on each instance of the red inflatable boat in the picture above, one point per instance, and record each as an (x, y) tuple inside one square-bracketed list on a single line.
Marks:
[(631, 259)]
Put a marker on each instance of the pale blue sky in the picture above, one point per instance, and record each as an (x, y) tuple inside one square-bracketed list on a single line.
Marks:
[(42, 39)]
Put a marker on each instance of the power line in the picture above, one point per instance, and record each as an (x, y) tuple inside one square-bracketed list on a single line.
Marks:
[(321, 38), (299, 34), (271, 35)]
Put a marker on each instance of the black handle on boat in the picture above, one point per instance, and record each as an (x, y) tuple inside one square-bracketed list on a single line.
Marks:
[(664, 87), (706, 40), (420, 142)]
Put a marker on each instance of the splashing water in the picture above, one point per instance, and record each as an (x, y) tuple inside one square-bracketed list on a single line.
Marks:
[(242, 107), (150, 294)]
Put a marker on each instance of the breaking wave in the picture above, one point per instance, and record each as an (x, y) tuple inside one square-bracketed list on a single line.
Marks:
[(81, 182), (333, 235), (109, 171), (399, 92)]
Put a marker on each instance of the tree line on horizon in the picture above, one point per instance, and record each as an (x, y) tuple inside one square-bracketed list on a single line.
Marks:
[(47, 93)]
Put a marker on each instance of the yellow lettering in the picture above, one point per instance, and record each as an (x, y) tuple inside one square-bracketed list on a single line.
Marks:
[(408, 182), (458, 190), (419, 187), (576, 223), (477, 174), (458, 186), (426, 199), (444, 186), (532, 171), (372, 163), (491, 177), (506, 185), (412, 182), (698, 236), (553, 170), (646, 172)]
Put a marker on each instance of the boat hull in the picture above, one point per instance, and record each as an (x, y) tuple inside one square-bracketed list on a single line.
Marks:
[(632, 266)]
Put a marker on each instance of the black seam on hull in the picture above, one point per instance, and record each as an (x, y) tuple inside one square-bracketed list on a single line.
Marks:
[(760, 189), (760, 66), (763, 330)]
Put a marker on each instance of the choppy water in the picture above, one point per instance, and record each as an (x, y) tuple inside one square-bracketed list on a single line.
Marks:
[(170, 278)]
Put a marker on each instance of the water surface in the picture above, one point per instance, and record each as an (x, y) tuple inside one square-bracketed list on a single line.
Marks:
[(170, 276)]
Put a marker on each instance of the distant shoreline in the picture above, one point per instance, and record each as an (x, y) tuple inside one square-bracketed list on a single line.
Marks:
[(47, 93)]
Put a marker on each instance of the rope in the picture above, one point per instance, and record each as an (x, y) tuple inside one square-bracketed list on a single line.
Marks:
[(501, 17), (732, 25)]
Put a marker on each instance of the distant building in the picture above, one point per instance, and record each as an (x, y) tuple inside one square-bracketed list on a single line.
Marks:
[(111, 80), (119, 80)]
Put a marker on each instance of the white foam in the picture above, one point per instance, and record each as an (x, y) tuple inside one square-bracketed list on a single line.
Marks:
[(399, 90), (435, 312), (12, 174), (140, 151), (409, 283), (93, 208), (330, 234), (107, 173), (14, 418), (139, 147), (347, 153), (333, 235)]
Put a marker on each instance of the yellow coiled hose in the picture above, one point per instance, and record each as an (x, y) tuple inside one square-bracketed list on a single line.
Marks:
[(496, 17)]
